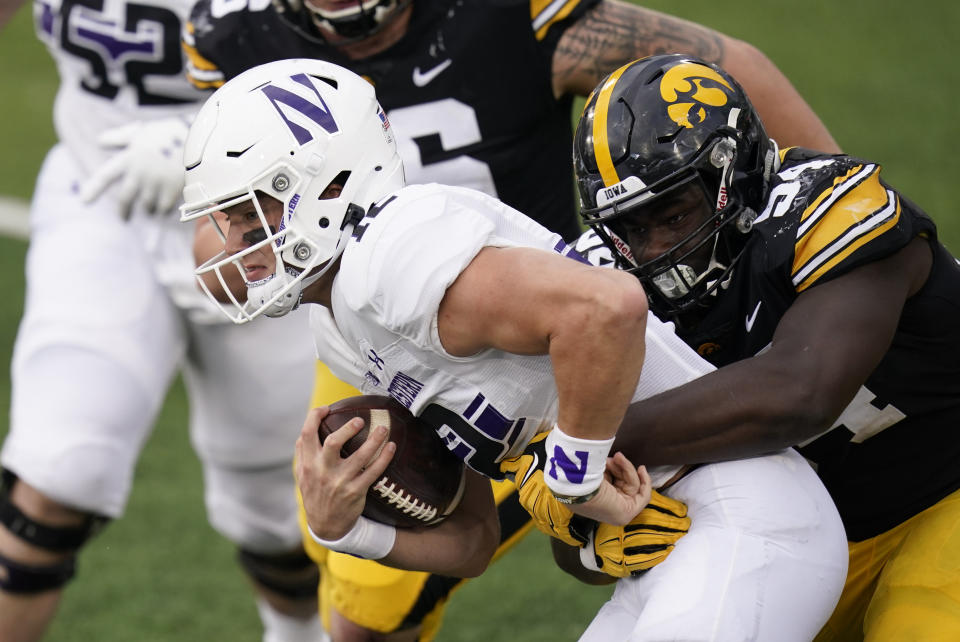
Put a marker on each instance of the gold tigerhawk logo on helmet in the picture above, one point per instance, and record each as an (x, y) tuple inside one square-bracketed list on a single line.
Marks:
[(685, 82)]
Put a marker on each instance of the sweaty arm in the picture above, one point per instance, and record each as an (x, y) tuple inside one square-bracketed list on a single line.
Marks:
[(528, 301), (615, 33), (589, 320), (824, 348)]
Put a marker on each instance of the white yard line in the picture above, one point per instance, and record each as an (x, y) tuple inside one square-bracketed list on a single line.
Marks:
[(13, 217)]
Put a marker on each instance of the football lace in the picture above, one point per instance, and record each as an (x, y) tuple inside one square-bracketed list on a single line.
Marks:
[(405, 502)]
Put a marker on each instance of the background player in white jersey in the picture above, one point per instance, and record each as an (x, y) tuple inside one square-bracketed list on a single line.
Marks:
[(112, 314), (477, 319)]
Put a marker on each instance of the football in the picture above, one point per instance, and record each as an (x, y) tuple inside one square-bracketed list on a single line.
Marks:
[(424, 481)]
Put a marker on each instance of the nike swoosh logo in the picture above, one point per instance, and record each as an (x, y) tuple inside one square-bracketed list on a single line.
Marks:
[(753, 317), (530, 471), (423, 78), (240, 153)]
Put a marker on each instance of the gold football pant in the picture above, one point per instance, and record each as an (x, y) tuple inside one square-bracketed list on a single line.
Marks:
[(904, 584), (386, 599)]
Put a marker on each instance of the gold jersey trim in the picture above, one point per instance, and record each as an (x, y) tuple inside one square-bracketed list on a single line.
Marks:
[(201, 73), (856, 209), (544, 13)]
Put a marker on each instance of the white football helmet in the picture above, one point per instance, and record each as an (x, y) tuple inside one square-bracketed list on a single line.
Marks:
[(288, 129)]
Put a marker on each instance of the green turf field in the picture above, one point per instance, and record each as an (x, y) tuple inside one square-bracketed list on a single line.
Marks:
[(882, 74)]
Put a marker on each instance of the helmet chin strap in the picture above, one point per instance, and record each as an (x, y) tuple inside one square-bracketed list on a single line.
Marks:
[(680, 279), (359, 27), (286, 285), (282, 283)]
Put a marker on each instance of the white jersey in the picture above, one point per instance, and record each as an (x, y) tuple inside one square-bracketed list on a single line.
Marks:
[(765, 557), (117, 64), (396, 269), (120, 64)]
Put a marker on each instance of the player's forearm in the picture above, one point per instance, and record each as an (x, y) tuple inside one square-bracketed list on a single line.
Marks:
[(615, 33), (462, 545), (567, 559), (597, 352), (745, 409)]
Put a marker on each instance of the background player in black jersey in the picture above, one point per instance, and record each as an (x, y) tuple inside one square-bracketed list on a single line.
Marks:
[(827, 299), (479, 94)]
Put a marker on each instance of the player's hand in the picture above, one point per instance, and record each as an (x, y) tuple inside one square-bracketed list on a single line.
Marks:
[(621, 551), (147, 166), (334, 488), (549, 514), (623, 493)]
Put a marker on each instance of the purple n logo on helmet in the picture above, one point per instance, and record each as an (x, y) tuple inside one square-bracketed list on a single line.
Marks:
[(317, 112)]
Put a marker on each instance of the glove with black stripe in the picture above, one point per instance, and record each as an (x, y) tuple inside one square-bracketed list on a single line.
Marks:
[(622, 551)]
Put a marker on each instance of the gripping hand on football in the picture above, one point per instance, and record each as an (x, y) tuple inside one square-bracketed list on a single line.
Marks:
[(334, 488), (147, 166)]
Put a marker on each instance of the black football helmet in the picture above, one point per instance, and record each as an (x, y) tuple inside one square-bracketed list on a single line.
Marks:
[(664, 129), (352, 23)]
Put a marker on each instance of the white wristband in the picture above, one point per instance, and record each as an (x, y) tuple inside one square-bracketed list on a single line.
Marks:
[(368, 539), (574, 468)]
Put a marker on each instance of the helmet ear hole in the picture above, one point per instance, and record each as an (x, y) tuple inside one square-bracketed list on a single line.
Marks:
[(335, 187), (330, 81)]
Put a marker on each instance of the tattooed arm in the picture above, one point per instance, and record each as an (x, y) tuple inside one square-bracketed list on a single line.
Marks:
[(615, 32)]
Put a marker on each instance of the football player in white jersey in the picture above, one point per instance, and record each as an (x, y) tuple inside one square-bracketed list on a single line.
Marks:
[(113, 314), (480, 322), (430, 64)]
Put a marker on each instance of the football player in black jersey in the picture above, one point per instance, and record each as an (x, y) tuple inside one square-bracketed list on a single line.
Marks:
[(829, 303), (435, 67), (461, 121)]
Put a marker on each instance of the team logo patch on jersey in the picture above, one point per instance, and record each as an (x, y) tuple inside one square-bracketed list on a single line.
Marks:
[(377, 374), (690, 89)]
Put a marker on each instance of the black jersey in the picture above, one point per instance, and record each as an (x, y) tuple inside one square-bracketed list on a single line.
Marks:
[(895, 450), (468, 90)]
